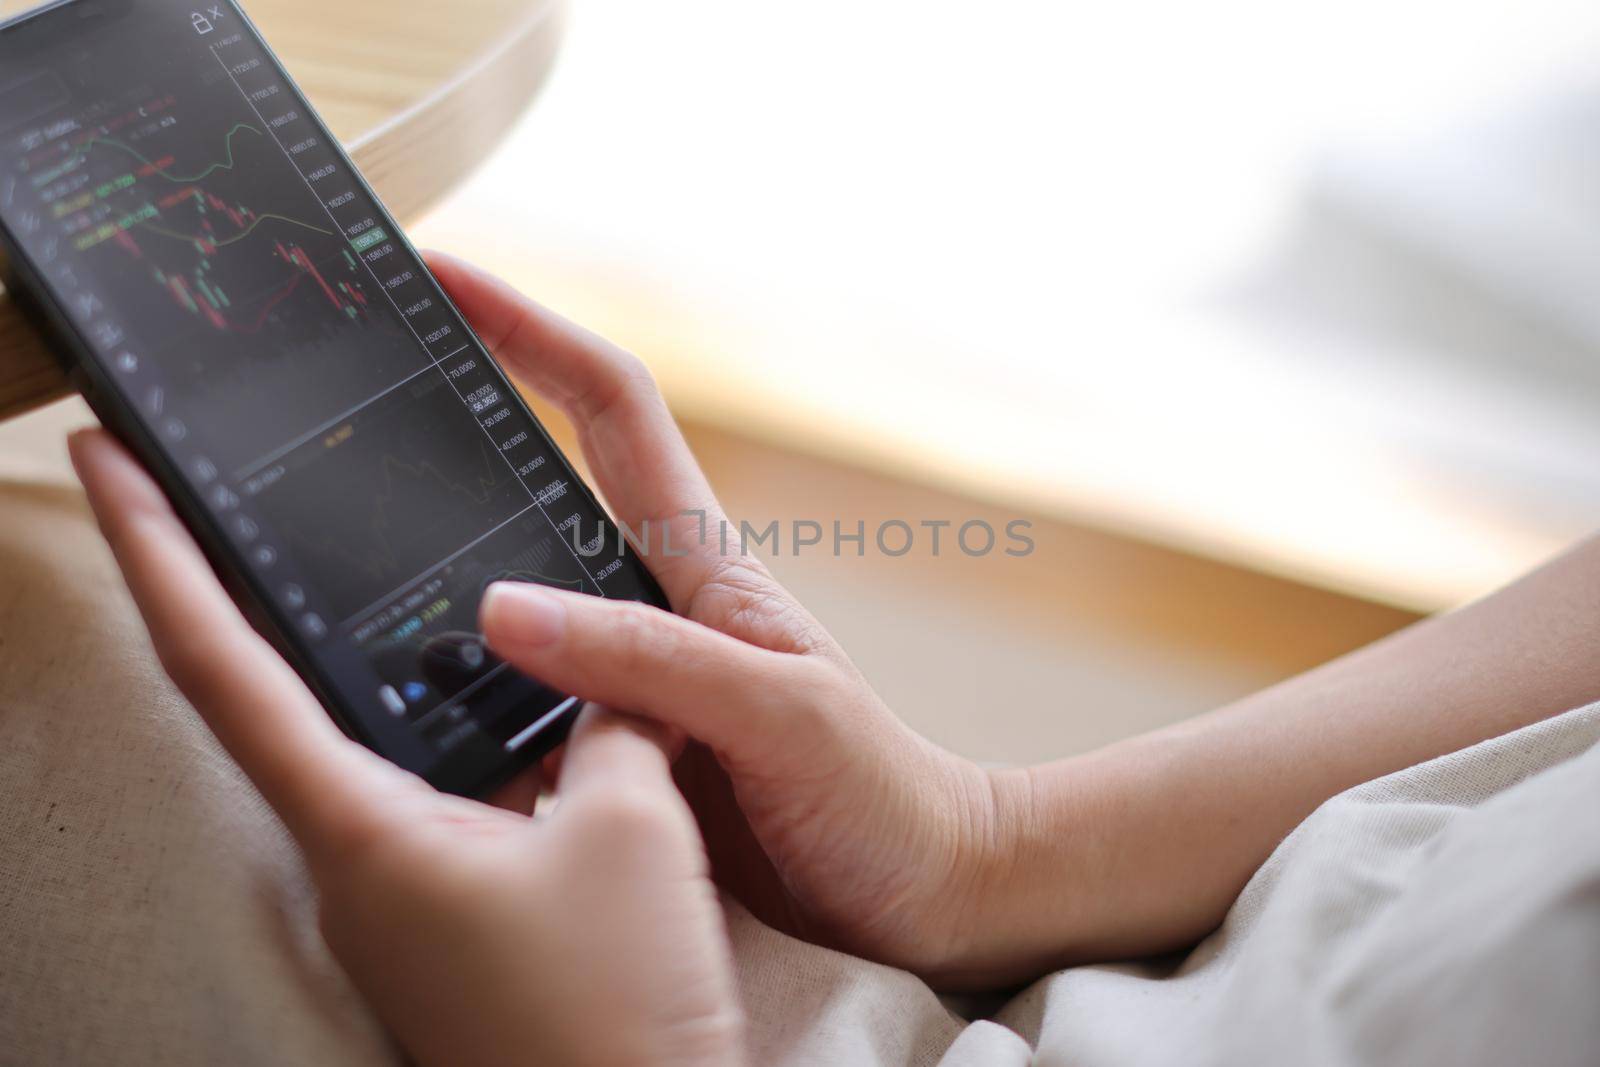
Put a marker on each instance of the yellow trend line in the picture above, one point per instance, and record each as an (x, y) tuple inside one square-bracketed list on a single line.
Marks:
[(241, 235), (227, 147)]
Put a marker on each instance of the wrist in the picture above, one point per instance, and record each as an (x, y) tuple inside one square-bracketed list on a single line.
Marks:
[(993, 809), (1019, 886)]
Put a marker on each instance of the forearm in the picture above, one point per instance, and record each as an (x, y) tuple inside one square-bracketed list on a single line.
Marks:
[(1142, 847)]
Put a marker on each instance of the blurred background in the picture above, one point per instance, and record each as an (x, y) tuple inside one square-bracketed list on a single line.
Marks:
[(1278, 319)]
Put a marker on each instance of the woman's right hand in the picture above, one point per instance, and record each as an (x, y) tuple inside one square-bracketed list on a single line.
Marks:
[(827, 816)]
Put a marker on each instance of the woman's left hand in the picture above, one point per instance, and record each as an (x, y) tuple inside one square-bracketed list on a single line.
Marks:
[(478, 934)]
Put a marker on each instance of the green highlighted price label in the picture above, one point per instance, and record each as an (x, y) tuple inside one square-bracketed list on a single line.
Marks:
[(368, 239)]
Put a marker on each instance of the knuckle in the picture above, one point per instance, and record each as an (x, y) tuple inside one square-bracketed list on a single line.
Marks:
[(355, 842), (630, 813), (633, 373), (363, 843), (642, 638), (740, 597), (524, 322), (624, 382), (191, 659), (813, 697), (131, 532)]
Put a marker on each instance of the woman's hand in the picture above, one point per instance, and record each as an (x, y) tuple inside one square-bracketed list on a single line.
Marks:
[(478, 934), (822, 812), (832, 820)]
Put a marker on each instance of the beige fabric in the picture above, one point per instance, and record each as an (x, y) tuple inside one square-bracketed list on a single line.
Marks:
[(152, 911)]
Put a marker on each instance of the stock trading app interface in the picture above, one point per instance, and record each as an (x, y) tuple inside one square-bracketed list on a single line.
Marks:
[(293, 359)]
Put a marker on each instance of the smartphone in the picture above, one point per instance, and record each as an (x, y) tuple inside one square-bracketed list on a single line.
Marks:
[(237, 305)]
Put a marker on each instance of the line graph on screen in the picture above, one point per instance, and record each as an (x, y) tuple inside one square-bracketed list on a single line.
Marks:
[(223, 237)]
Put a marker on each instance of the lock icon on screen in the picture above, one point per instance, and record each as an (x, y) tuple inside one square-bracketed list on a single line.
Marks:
[(202, 25)]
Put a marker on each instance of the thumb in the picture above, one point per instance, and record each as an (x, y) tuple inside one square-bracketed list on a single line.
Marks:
[(634, 657), (610, 751)]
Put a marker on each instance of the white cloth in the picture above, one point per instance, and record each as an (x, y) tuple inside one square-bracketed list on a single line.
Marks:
[(152, 910), (1448, 914)]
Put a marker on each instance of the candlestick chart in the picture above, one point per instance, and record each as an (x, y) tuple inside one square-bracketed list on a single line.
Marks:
[(227, 259), (231, 265)]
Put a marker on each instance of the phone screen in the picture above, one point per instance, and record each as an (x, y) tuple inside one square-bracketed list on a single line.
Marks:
[(293, 367)]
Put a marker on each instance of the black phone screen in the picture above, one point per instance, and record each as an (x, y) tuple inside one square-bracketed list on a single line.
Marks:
[(293, 367)]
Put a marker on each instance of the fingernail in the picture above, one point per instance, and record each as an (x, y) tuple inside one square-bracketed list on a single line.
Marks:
[(522, 614)]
